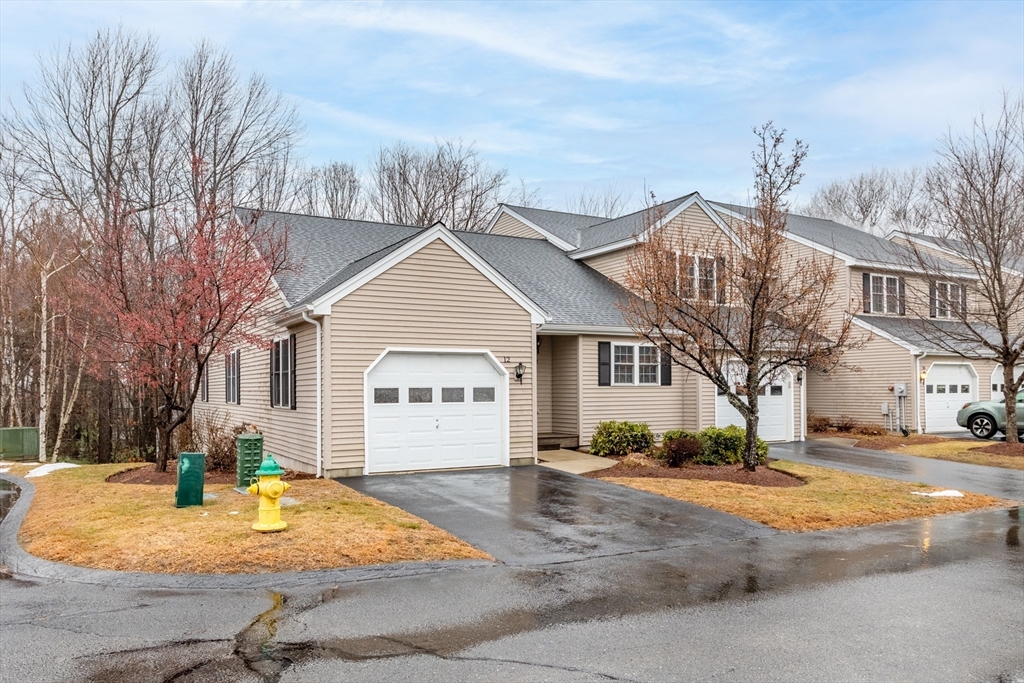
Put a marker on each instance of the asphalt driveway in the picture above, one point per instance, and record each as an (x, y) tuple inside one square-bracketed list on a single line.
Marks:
[(536, 515)]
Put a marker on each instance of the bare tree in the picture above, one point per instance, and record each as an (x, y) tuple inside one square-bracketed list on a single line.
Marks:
[(450, 183), (332, 189), (875, 201), (610, 201), (739, 311), (977, 191)]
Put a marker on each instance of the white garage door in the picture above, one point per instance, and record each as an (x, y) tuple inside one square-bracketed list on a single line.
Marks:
[(430, 411), (946, 389), (997, 380), (774, 406)]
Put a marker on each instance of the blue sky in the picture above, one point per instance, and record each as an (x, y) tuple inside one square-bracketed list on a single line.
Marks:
[(572, 96)]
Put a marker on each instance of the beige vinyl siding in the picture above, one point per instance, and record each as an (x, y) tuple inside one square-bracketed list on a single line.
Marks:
[(513, 227), (691, 231), (860, 394), (433, 298), (544, 386), (290, 435), (564, 384), (663, 408)]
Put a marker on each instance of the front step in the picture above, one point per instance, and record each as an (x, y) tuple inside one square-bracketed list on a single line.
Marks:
[(552, 442)]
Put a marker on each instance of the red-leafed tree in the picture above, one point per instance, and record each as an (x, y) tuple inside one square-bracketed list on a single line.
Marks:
[(173, 303)]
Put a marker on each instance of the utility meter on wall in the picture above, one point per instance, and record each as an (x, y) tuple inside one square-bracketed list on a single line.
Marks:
[(899, 389)]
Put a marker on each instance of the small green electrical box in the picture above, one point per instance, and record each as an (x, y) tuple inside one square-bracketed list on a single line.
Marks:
[(191, 467), (250, 457)]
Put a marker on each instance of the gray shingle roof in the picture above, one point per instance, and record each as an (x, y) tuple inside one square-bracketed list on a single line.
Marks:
[(321, 247), (921, 333), (565, 226), (843, 239), (624, 227), (1013, 257), (571, 292)]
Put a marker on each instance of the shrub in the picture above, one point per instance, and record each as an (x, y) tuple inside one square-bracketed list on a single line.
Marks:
[(640, 460), (871, 430), (673, 434), (621, 438), (724, 446), (845, 424), (818, 423), (682, 449)]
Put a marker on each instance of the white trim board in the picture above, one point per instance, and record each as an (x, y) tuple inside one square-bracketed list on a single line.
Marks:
[(322, 306), (692, 199), (549, 236)]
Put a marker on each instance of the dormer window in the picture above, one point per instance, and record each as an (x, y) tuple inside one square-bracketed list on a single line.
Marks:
[(698, 277), (947, 300), (884, 294)]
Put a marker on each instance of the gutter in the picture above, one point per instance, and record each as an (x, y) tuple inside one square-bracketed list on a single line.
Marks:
[(319, 394)]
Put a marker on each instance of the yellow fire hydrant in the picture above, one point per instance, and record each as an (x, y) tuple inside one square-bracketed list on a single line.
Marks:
[(270, 489)]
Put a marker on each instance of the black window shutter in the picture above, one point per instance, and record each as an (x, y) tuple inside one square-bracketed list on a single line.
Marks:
[(604, 364), (227, 378), (867, 292), (273, 371), (666, 366), (291, 345), (720, 278), (932, 296), (903, 297), (963, 299)]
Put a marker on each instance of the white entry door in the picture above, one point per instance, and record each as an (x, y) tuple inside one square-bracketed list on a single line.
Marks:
[(429, 411), (947, 388), (774, 405)]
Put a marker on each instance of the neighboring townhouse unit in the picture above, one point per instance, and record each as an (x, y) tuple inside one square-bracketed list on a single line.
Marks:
[(879, 283), (398, 348)]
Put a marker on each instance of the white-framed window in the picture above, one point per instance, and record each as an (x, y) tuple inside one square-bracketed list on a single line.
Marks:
[(204, 384), (282, 373), (636, 364), (948, 299), (232, 377), (697, 277), (885, 294)]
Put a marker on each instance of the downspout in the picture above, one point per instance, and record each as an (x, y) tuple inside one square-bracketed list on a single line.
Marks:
[(917, 390), (319, 395), (803, 405)]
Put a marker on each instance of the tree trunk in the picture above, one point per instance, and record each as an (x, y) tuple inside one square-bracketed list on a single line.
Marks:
[(103, 425), (164, 451), (750, 457), (1010, 397), (44, 324)]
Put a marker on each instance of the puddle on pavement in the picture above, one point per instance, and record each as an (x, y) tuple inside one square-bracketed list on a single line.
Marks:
[(8, 496)]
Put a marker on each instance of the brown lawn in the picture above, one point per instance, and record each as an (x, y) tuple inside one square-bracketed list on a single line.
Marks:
[(78, 518), (830, 499), (975, 452)]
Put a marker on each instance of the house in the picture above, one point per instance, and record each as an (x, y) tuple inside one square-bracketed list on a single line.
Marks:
[(878, 281), (399, 348)]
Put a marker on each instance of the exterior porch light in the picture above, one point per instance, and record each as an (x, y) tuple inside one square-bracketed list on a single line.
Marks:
[(923, 376), (520, 370), (800, 376)]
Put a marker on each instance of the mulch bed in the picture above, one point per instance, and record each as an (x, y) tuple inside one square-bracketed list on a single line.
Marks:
[(1016, 449), (732, 473), (149, 475)]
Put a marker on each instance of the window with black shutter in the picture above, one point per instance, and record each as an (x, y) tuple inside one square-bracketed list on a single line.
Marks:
[(604, 364)]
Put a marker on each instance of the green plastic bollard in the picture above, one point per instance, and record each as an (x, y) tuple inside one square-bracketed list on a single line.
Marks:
[(250, 457), (191, 468)]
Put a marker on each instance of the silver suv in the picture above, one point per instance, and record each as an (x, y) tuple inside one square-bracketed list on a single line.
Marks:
[(985, 418)]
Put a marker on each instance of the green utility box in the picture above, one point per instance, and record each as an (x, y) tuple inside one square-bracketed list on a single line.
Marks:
[(250, 457), (19, 443), (191, 467)]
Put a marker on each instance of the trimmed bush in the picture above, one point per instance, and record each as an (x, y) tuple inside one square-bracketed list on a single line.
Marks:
[(871, 430), (621, 438), (818, 423), (682, 449), (673, 434), (724, 446), (845, 424)]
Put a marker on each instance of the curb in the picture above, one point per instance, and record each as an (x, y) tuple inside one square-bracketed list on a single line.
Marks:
[(23, 564)]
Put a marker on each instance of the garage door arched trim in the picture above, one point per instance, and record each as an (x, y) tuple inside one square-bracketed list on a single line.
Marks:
[(503, 394), (786, 381)]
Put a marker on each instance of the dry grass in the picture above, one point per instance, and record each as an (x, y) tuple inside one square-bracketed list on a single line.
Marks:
[(956, 450), (78, 518), (831, 499)]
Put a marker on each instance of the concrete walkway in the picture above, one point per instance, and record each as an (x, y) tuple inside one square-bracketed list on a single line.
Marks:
[(992, 481), (572, 462)]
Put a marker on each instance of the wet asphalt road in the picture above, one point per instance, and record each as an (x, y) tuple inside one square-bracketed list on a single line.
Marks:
[(939, 599)]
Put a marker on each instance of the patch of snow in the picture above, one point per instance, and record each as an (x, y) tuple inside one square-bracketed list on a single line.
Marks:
[(948, 493), (287, 501), (43, 470), (209, 496), (233, 512), (5, 469)]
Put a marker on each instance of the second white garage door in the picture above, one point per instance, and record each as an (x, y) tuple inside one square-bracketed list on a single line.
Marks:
[(774, 406), (429, 411), (947, 388)]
